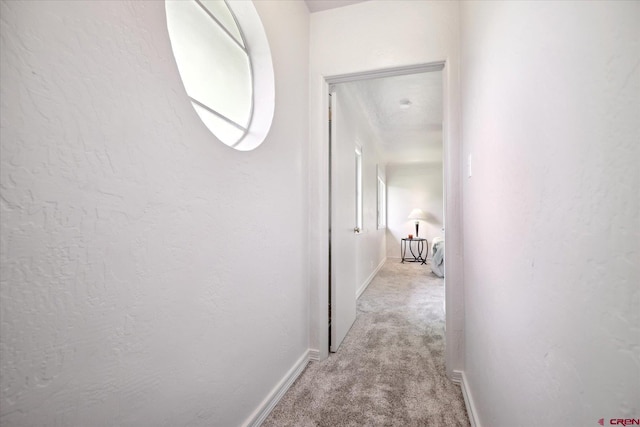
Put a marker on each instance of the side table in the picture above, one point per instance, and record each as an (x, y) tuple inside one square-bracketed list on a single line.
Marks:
[(421, 245)]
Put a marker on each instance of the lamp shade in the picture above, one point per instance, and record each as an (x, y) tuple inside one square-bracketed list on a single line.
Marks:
[(418, 214)]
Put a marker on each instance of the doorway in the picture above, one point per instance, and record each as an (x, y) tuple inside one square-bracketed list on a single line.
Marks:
[(349, 267)]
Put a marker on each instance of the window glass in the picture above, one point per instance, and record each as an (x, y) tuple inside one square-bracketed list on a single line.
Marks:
[(224, 130), (222, 14), (217, 69)]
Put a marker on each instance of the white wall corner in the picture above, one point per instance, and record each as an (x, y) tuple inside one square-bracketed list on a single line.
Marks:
[(264, 409), (314, 355), (367, 282), (460, 378)]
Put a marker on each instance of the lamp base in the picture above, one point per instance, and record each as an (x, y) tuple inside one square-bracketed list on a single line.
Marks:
[(417, 223)]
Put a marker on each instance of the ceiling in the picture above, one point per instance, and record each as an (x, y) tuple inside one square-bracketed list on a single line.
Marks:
[(406, 113), (319, 5)]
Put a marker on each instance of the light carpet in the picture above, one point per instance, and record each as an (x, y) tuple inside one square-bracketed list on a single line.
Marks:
[(389, 370)]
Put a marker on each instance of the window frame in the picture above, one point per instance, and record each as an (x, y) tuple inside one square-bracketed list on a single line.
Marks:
[(261, 94), (359, 196), (381, 202)]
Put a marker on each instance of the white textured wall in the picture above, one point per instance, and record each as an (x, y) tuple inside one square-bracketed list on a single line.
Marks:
[(411, 186), (143, 281), (354, 128), (369, 36), (551, 112)]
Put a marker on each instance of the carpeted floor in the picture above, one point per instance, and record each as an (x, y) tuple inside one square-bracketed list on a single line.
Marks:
[(389, 370)]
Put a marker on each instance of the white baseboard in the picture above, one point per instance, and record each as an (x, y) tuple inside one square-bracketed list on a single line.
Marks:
[(314, 355), (266, 406), (366, 283), (460, 378)]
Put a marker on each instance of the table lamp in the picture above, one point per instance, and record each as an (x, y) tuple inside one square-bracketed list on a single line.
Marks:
[(417, 215)]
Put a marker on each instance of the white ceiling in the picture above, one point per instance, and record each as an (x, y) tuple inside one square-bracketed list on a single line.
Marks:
[(406, 113), (318, 5)]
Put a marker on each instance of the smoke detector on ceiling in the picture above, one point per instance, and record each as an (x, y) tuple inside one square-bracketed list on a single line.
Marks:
[(405, 103)]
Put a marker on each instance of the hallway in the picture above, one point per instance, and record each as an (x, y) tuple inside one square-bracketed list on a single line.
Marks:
[(390, 368), (153, 275)]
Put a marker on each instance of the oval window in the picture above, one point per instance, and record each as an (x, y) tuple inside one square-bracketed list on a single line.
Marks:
[(225, 64)]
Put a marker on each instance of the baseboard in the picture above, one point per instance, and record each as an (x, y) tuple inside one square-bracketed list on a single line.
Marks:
[(460, 378), (366, 283), (262, 412), (314, 355)]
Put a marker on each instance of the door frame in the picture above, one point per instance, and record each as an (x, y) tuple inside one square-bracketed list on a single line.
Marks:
[(320, 215)]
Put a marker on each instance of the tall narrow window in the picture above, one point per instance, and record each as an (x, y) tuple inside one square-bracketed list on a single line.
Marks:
[(359, 188), (382, 201), (225, 70)]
